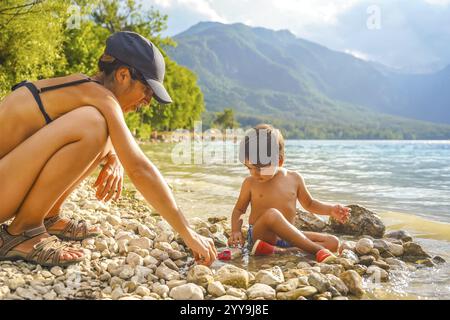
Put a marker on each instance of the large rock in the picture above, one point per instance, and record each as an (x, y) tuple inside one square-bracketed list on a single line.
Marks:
[(260, 290), (187, 291), (353, 281), (307, 221), (233, 276), (272, 277), (399, 234), (361, 222), (413, 252)]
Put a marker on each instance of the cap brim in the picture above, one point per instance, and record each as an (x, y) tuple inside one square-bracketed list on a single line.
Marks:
[(159, 92)]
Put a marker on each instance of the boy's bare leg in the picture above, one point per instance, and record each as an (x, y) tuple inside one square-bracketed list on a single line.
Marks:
[(272, 224), (325, 240)]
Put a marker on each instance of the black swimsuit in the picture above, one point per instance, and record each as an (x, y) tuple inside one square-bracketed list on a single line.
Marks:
[(35, 91)]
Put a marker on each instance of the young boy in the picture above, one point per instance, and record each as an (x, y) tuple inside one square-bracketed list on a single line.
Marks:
[(273, 192)]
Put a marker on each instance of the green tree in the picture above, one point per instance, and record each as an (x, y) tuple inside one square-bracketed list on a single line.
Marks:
[(31, 36), (226, 120), (35, 43), (181, 83)]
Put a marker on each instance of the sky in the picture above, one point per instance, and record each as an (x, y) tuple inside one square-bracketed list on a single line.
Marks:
[(409, 35)]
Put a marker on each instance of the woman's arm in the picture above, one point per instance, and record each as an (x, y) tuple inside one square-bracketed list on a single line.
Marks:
[(148, 180)]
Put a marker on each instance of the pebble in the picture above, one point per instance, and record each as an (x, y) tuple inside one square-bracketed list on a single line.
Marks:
[(57, 271), (216, 289), (364, 246), (260, 290), (142, 291), (272, 277), (188, 291), (134, 259)]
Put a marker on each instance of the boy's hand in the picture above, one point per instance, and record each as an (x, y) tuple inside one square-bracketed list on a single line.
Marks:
[(236, 239), (340, 213)]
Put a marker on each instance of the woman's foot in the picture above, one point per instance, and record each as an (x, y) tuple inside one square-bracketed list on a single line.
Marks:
[(69, 229), (42, 241)]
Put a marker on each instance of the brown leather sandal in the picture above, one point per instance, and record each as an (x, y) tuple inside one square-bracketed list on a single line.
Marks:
[(74, 230), (46, 252)]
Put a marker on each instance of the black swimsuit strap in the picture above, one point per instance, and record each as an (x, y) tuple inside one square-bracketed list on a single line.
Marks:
[(35, 92), (67, 84)]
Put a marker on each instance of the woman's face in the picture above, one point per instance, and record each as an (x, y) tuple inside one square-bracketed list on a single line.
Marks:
[(132, 94)]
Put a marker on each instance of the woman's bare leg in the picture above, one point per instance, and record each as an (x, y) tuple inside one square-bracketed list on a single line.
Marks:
[(55, 210), (35, 174)]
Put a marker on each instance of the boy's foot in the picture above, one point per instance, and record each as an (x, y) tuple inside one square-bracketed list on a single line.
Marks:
[(261, 248), (325, 256)]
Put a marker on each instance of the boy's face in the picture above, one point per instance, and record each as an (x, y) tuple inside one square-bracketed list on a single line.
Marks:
[(262, 173)]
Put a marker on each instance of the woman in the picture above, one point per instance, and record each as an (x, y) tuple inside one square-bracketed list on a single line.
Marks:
[(54, 133)]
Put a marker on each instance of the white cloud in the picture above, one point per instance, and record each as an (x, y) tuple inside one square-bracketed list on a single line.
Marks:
[(200, 7), (314, 12), (443, 3), (358, 54), (412, 33)]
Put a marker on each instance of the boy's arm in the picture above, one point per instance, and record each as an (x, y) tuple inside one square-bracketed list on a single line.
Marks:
[(315, 206), (240, 208)]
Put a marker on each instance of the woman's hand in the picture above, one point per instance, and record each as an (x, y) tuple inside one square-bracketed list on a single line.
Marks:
[(340, 213), (110, 179), (236, 239), (203, 248)]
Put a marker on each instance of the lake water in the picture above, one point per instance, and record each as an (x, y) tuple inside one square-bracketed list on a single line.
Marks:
[(406, 182)]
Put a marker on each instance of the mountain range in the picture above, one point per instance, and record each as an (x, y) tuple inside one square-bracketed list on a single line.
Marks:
[(267, 75)]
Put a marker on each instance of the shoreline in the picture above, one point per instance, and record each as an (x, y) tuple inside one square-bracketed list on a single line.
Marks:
[(139, 257), (165, 139)]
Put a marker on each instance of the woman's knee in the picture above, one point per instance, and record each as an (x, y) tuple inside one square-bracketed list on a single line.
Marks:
[(93, 127)]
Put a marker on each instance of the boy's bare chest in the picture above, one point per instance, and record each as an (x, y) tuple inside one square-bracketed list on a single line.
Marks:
[(274, 193)]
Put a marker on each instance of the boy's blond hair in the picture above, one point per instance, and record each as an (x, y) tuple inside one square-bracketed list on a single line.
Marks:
[(273, 136)]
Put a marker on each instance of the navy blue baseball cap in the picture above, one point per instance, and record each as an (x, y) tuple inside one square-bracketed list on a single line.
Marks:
[(141, 54)]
